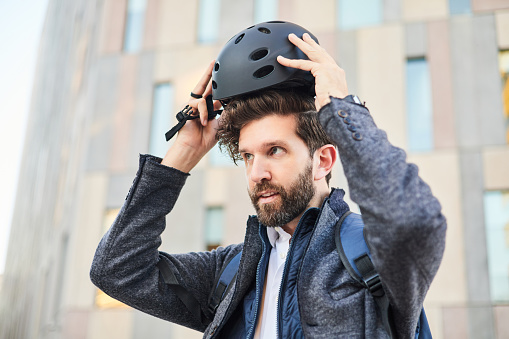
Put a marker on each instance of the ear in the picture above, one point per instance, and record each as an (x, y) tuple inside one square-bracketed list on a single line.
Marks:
[(325, 157)]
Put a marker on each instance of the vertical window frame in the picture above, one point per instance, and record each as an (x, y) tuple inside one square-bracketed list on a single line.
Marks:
[(214, 214), (497, 245), (419, 105), (127, 45), (160, 121)]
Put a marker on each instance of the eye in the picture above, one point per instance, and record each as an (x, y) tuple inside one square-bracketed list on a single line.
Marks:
[(276, 150), (247, 156)]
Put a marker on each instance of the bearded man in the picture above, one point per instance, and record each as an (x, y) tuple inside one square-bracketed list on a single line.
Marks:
[(290, 282)]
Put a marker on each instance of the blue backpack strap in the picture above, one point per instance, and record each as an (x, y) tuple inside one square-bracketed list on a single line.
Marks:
[(224, 283), (356, 257), (182, 293)]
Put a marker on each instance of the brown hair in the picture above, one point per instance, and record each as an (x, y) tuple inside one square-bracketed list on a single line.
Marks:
[(244, 109)]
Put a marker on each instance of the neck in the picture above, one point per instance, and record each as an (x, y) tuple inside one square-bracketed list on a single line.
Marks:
[(316, 201)]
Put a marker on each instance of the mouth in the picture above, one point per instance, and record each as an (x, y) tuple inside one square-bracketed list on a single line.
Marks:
[(267, 197)]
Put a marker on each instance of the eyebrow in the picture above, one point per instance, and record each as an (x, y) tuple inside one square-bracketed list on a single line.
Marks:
[(269, 144)]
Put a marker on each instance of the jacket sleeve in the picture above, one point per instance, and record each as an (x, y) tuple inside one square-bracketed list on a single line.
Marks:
[(404, 226), (124, 264)]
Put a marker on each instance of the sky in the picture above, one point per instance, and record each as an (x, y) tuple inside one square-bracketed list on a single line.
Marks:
[(21, 23)]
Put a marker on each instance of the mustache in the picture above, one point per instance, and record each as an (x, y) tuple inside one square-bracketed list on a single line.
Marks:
[(258, 188)]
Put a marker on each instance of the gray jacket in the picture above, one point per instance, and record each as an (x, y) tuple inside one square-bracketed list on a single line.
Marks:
[(404, 229)]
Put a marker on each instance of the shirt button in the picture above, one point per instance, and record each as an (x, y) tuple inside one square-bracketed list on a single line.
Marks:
[(282, 255), (347, 120), (357, 136)]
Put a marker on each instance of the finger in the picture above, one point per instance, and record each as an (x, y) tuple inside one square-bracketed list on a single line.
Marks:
[(308, 39), (301, 44), (310, 47), (194, 105), (305, 65), (204, 114), (208, 90), (204, 81)]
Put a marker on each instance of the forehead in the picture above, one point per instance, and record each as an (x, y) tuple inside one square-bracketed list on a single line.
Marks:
[(267, 130)]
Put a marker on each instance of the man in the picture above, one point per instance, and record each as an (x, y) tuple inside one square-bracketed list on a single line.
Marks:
[(291, 282)]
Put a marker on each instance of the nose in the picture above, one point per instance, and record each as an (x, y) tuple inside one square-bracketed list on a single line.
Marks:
[(259, 171)]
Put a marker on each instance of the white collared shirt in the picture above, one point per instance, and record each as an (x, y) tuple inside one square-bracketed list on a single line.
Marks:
[(267, 323)]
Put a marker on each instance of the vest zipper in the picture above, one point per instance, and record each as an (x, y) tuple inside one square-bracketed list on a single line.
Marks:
[(250, 334), (288, 258)]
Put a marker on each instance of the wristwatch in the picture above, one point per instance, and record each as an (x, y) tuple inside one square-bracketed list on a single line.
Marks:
[(353, 99)]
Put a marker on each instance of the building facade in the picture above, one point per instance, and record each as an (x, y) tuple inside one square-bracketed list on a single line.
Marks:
[(112, 74)]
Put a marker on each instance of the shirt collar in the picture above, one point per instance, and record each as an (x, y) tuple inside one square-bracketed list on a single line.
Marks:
[(277, 234)]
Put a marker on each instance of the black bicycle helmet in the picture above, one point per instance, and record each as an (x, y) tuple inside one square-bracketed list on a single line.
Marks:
[(247, 62)]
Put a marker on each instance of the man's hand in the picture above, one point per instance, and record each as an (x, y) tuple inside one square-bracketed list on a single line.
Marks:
[(197, 136), (330, 79)]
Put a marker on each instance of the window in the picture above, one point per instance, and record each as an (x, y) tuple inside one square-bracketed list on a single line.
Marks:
[(208, 21), (218, 158), (134, 25), (102, 300), (503, 61), (459, 6), (161, 118), (265, 10), (214, 221), (496, 207), (419, 106), (352, 14)]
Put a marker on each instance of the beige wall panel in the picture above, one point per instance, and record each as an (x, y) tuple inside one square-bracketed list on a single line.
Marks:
[(441, 171), (216, 181), (501, 323), (79, 291), (439, 59), (496, 168), (328, 40), (112, 26), (416, 10), (111, 324), (435, 320), (178, 331), (317, 16), (286, 10), (75, 324), (123, 117), (380, 69), (185, 64), (502, 22), (489, 5), (239, 206), (150, 31), (177, 22), (455, 322)]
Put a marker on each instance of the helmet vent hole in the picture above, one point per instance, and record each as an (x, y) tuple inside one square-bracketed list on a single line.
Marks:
[(214, 84), (264, 30), (239, 38), (216, 67), (262, 72), (259, 54)]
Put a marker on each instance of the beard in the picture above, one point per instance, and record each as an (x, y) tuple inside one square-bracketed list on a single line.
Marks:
[(290, 203)]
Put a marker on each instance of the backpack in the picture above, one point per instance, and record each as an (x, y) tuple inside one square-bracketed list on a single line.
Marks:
[(356, 257)]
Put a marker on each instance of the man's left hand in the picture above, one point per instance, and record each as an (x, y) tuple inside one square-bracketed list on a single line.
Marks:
[(330, 79)]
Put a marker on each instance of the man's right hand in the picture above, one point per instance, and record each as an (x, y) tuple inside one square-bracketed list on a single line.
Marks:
[(197, 136)]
